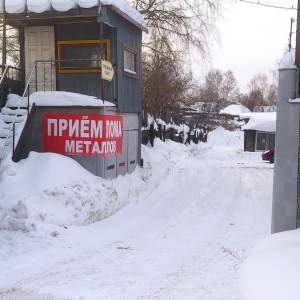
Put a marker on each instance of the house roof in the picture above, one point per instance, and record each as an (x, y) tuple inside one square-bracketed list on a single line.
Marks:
[(234, 110), (260, 121), (23, 11)]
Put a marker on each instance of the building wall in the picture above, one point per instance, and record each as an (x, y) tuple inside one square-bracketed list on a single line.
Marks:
[(129, 93), (258, 140), (83, 83), (249, 140)]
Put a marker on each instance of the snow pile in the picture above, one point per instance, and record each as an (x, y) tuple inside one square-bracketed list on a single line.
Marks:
[(220, 137), (272, 269), (62, 193)]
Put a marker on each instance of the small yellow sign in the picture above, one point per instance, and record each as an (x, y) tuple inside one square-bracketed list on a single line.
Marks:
[(107, 70)]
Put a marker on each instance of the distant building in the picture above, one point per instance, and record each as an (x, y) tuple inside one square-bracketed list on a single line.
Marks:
[(259, 131), (234, 110)]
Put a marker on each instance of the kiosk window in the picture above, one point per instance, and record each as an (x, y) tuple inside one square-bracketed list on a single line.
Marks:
[(130, 60), (82, 56)]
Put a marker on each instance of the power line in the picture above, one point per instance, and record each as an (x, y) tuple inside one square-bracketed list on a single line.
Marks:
[(291, 7)]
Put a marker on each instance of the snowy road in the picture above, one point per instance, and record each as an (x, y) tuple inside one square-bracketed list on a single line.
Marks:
[(182, 236)]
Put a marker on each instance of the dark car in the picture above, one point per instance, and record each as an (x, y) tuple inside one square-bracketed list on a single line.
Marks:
[(268, 155)]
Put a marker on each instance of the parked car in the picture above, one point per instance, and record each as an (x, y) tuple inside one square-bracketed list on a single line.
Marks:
[(268, 155)]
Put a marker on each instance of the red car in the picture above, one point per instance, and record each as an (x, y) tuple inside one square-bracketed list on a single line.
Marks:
[(268, 155)]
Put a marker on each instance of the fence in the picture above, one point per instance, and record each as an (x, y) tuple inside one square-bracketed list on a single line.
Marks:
[(195, 135), (10, 83)]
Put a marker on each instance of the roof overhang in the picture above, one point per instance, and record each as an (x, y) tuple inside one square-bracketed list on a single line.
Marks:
[(52, 17)]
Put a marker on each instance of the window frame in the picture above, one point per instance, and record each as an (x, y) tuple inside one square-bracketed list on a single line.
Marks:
[(65, 70), (134, 51)]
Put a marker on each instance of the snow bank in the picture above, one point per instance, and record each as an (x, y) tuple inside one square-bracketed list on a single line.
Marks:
[(49, 190), (271, 272), (48, 187), (222, 137), (189, 218)]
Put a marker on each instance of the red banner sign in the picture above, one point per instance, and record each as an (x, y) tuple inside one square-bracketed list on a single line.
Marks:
[(84, 135)]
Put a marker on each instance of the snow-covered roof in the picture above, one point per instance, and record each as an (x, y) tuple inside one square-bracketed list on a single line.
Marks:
[(40, 6), (234, 110), (260, 121)]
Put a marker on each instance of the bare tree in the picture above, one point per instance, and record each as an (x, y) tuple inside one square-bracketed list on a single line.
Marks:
[(229, 89), (181, 24), (261, 92), (219, 88), (12, 45), (165, 85), (213, 85)]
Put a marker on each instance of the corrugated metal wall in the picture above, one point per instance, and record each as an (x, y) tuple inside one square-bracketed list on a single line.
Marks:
[(83, 83), (124, 91), (128, 88), (106, 167)]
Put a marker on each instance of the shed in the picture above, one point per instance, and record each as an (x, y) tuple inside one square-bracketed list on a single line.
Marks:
[(259, 131), (87, 47)]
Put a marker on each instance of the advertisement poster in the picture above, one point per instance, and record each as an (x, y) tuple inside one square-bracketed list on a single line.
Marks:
[(84, 135)]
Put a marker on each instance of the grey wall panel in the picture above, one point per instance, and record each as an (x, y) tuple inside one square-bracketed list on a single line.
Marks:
[(132, 153), (249, 140), (131, 121), (124, 89), (122, 166), (110, 166), (128, 88), (82, 83), (79, 31), (88, 83)]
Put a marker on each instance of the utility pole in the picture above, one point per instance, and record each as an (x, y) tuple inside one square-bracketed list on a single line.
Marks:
[(3, 37), (291, 31), (297, 63), (297, 53), (2, 88)]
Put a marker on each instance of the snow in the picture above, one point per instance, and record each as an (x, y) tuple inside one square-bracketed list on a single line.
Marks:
[(56, 99), (193, 223), (260, 121), (287, 62), (234, 110), (297, 100), (40, 6), (181, 227), (258, 273)]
